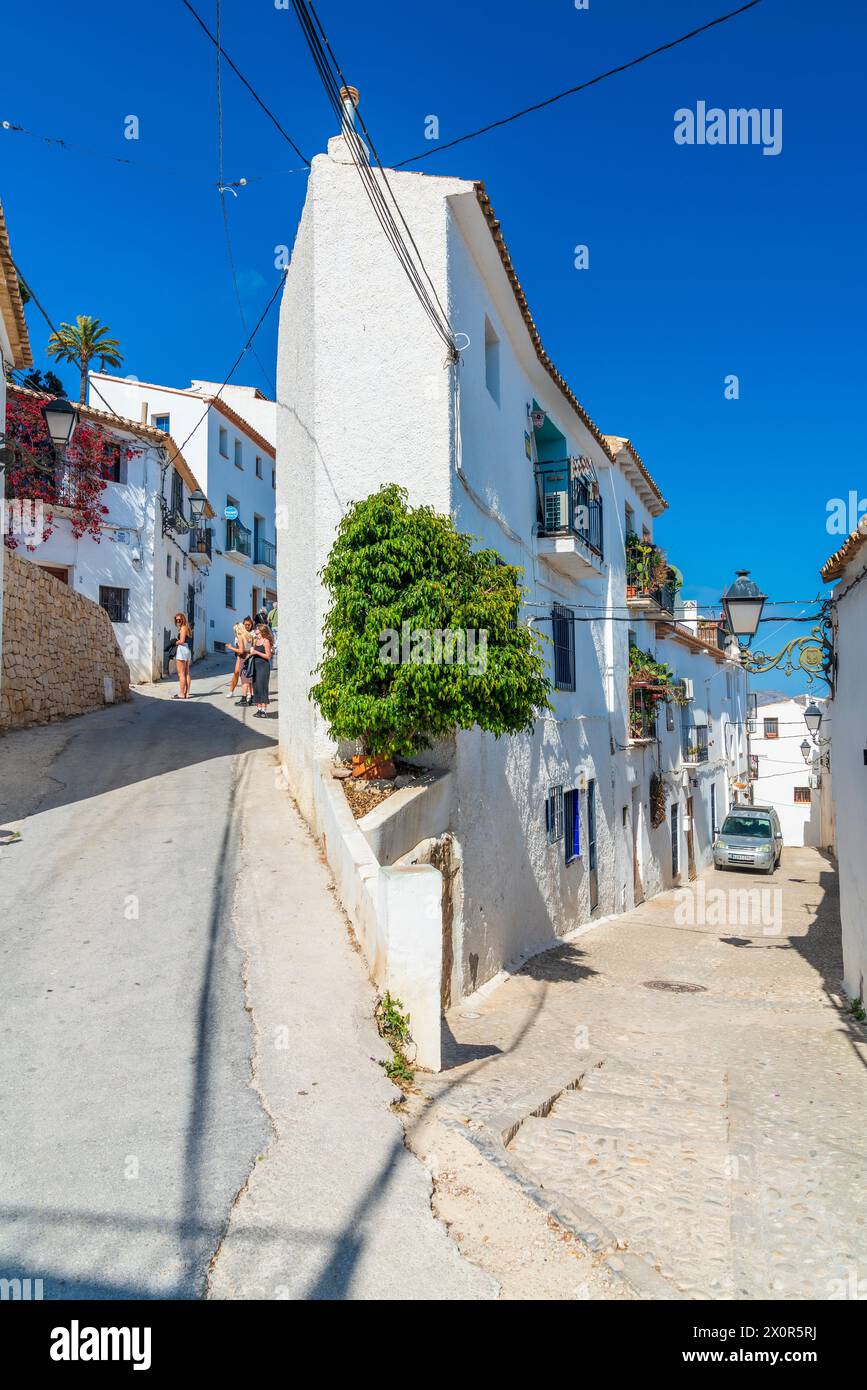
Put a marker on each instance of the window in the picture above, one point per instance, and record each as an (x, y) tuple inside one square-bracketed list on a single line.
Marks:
[(492, 361), (224, 442), (113, 470), (258, 466), (161, 422), (230, 591), (177, 573), (563, 623), (274, 478), (239, 454), (645, 534), (772, 728), (572, 825), (803, 795), (669, 717), (630, 520), (177, 502), (115, 602), (675, 842), (168, 567), (554, 814)]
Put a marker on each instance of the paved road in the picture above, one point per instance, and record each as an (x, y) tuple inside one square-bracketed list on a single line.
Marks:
[(717, 1129), (130, 1124), (128, 1120)]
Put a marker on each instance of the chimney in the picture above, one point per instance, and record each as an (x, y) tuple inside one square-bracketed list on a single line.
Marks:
[(144, 412), (338, 148), (349, 97)]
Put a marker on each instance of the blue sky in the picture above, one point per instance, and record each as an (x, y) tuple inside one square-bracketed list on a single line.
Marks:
[(704, 261)]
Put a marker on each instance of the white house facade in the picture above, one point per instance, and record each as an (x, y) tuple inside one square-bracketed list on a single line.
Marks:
[(798, 788), (14, 352), (848, 710), (146, 564), (553, 827), (229, 444)]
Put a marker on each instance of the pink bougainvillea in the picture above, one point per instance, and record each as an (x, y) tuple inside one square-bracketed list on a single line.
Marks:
[(35, 474)]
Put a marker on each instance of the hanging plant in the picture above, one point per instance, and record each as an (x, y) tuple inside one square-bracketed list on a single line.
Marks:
[(658, 800)]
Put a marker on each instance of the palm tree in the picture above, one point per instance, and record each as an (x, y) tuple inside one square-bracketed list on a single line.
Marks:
[(82, 343)]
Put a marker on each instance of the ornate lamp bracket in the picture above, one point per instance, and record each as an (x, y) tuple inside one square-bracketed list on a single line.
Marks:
[(813, 654)]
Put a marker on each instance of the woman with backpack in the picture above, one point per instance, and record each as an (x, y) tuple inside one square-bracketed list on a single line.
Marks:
[(260, 657)]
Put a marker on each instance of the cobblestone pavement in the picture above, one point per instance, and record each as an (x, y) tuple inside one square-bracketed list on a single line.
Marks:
[(714, 1129)]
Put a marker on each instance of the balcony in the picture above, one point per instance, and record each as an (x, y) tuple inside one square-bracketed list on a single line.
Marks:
[(239, 540), (642, 717), (651, 583), (569, 518), (265, 553), (714, 634), (201, 541), (656, 603), (693, 743)]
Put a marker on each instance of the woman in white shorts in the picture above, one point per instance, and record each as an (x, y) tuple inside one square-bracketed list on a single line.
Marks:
[(183, 656)]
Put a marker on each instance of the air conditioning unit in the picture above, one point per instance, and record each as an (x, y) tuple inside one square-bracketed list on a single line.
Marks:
[(688, 691), (556, 511)]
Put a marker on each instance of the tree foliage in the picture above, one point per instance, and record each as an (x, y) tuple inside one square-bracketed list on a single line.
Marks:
[(393, 565), (83, 342)]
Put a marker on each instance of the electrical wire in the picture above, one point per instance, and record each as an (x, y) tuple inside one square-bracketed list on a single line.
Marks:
[(221, 190), (254, 94), (570, 91), (408, 255), (72, 145)]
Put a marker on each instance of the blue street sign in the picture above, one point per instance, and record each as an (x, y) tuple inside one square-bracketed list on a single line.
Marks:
[(230, 513)]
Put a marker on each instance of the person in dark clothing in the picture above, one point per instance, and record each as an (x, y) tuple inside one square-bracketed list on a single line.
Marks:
[(260, 654)]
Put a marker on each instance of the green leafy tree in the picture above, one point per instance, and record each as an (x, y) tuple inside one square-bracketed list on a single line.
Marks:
[(84, 342), (49, 382), (393, 565)]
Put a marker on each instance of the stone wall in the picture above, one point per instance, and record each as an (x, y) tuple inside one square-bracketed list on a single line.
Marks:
[(60, 655)]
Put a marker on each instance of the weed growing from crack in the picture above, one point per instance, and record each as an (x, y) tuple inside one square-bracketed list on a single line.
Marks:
[(394, 1028)]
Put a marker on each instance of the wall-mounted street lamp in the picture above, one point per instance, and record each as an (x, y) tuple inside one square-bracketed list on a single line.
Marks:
[(61, 417), (743, 603), (198, 502), (806, 751)]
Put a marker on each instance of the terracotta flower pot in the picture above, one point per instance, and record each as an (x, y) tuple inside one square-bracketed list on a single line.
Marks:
[(372, 767)]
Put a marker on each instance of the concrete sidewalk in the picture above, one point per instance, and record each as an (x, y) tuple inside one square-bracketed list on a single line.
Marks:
[(337, 1208), (683, 1085)]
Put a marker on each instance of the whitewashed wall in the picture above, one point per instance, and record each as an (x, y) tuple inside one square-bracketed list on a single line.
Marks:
[(849, 767), (782, 769)]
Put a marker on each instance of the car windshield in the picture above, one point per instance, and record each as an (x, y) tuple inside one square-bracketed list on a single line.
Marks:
[(756, 827)]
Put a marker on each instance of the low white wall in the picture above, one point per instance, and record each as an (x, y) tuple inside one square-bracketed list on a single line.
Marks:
[(396, 913), (407, 817)]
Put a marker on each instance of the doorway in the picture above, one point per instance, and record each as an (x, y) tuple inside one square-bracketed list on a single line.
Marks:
[(637, 885), (592, 871), (690, 841), (675, 841)]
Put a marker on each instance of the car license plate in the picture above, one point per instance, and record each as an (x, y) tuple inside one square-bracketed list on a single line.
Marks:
[(741, 859)]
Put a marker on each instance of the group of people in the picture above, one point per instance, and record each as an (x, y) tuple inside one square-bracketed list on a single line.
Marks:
[(253, 648)]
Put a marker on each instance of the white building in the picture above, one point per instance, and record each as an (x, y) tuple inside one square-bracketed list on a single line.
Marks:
[(552, 827), (14, 352), (148, 562), (798, 789), (229, 444), (845, 570)]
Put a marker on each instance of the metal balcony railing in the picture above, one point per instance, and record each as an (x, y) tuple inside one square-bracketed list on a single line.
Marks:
[(266, 553), (642, 716), (201, 540), (694, 743), (567, 506), (239, 538)]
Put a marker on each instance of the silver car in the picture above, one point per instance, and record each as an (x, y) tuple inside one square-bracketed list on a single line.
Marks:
[(750, 838)]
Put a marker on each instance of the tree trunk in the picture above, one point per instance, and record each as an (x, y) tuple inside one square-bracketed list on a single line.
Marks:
[(82, 397)]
